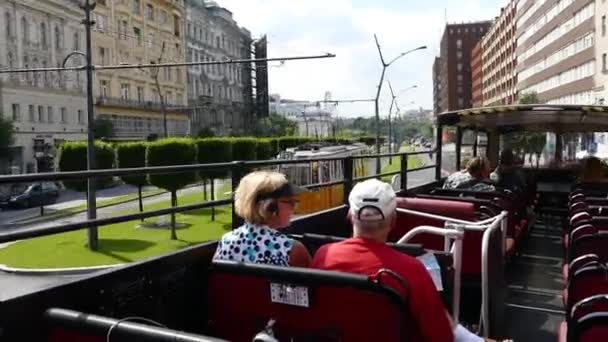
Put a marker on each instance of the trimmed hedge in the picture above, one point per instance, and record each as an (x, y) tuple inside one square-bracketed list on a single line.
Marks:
[(211, 151), (264, 150), (244, 149), (172, 151), (274, 146), (73, 157), (132, 155)]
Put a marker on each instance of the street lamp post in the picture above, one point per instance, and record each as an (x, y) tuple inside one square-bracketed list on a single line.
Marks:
[(88, 6), (390, 111), (384, 66)]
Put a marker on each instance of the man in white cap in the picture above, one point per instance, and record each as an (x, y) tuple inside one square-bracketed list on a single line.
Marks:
[(372, 209)]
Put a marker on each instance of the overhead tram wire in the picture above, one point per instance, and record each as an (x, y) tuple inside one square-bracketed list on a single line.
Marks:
[(165, 65)]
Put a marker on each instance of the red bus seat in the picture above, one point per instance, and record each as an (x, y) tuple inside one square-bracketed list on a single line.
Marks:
[(586, 282), (471, 263), (597, 304), (332, 306), (590, 328)]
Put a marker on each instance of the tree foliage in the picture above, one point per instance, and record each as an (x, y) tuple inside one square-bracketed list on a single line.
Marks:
[(172, 151), (529, 98), (103, 128), (73, 157), (211, 151), (205, 132), (275, 125), (132, 155)]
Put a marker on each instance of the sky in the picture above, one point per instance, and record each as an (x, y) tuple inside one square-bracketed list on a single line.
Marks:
[(346, 28)]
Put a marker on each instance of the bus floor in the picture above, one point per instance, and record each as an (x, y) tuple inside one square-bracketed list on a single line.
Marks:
[(534, 306)]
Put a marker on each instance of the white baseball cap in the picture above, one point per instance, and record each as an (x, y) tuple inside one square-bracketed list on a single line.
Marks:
[(373, 194)]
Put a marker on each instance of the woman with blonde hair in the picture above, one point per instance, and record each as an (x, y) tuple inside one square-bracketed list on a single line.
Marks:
[(266, 201)]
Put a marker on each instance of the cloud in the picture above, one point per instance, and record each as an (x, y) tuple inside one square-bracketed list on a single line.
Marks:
[(346, 28)]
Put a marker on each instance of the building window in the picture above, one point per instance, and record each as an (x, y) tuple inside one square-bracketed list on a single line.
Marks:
[(136, 7), (104, 55), (459, 67), (604, 62), (57, 38), (138, 37), (459, 89), (459, 54), (460, 102), (16, 112), (31, 112), (76, 41), (149, 12), (40, 114), (459, 43), (43, 40), (176, 26), (102, 22), (103, 87), (25, 30), (8, 20), (140, 94), (50, 114), (163, 16), (603, 25), (150, 39), (63, 114), (122, 29), (80, 116), (459, 78), (124, 91)]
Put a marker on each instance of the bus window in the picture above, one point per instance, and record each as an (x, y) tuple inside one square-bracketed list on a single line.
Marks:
[(532, 149)]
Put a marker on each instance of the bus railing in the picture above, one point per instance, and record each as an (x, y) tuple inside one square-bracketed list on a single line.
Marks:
[(237, 171)]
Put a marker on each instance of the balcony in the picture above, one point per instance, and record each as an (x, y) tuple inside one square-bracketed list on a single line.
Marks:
[(141, 105)]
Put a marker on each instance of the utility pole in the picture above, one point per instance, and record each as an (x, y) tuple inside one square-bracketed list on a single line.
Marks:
[(390, 111)]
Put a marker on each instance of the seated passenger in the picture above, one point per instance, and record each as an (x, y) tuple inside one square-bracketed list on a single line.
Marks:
[(373, 205), (266, 201), (474, 177), (372, 208), (507, 175)]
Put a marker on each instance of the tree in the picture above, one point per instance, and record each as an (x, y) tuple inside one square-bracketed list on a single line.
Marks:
[(103, 128), (529, 98), (275, 125), (133, 155), (205, 132), (73, 157), (168, 152), (6, 136), (213, 151)]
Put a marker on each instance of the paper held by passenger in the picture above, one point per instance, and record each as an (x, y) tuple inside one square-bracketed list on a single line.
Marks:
[(432, 266)]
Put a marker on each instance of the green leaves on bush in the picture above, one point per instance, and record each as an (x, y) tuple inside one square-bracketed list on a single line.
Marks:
[(73, 157), (132, 155), (244, 149), (211, 151), (264, 150), (172, 151)]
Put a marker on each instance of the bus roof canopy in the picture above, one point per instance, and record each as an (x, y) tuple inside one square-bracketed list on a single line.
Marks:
[(535, 117)]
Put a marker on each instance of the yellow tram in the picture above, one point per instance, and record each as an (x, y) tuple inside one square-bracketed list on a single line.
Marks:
[(323, 172)]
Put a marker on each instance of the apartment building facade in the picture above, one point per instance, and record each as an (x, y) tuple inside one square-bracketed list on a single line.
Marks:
[(476, 75), (141, 32), (46, 108), (556, 53), (499, 80), (219, 96), (452, 70)]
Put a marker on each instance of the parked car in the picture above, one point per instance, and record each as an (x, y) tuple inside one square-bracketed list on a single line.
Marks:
[(37, 194)]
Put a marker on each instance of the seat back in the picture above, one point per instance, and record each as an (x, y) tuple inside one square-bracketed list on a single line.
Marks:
[(471, 255), (590, 328), (586, 282), (73, 326), (589, 244), (307, 304)]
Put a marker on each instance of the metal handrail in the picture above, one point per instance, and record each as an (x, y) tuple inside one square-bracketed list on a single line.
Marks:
[(488, 227), (448, 234), (70, 175)]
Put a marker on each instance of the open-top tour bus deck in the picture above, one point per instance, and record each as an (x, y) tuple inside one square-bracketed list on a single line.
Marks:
[(527, 265)]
